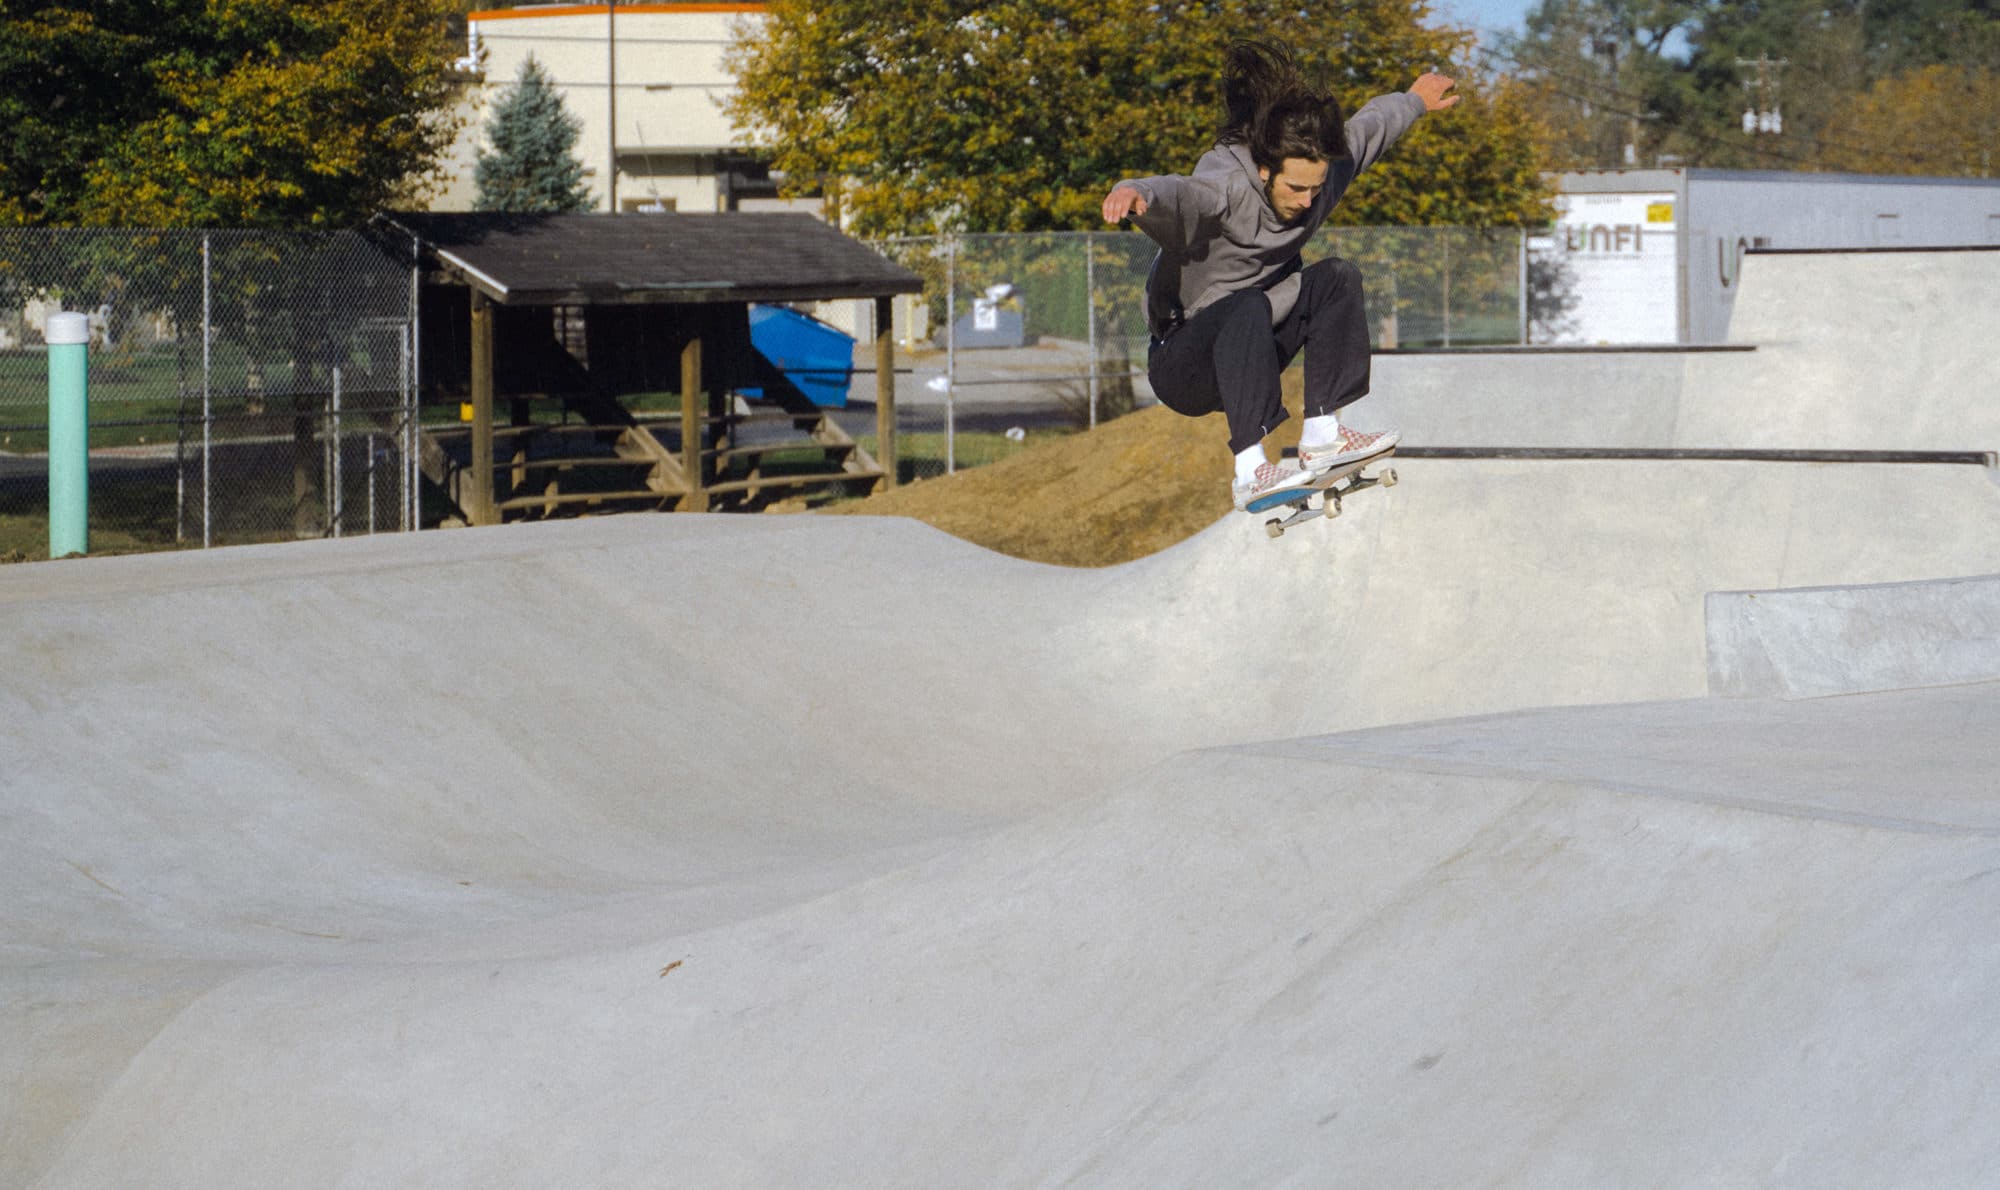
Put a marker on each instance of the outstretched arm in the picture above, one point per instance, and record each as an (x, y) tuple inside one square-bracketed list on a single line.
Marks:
[(1173, 211), (1383, 120)]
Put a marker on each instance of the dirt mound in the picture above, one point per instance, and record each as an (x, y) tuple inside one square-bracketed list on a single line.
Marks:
[(1129, 488)]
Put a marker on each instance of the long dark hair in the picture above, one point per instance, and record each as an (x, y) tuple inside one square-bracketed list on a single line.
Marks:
[(1271, 108)]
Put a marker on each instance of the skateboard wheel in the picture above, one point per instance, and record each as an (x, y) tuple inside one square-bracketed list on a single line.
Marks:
[(1274, 529), (1389, 478)]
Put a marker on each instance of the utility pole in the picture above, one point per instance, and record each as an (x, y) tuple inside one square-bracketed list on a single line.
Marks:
[(611, 97), (1764, 113), (1628, 153), (1608, 47)]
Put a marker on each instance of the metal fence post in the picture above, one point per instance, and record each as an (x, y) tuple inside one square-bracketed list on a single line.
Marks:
[(333, 503), (68, 337), (1090, 315), (207, 418), (180, 428), (950, 353), (403, 378), (1445, 240), (413, 404), (1521, 261)]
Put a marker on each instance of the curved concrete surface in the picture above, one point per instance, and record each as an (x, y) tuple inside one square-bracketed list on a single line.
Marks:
[(1243, 968), (786, 851)]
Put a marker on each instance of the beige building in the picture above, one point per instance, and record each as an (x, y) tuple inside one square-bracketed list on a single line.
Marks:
[(647, 82)]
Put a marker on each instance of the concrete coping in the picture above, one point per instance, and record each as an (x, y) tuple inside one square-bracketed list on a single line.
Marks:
[(1577, 349)]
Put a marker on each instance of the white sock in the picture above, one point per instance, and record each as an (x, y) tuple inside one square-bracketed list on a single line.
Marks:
[(1323, 430), (1247, 463)]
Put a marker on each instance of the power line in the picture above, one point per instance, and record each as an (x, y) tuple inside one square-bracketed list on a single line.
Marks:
[(1599, 85), (1694, 132)]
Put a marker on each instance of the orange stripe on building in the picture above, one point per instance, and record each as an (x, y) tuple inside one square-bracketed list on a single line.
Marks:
[(598, 10)]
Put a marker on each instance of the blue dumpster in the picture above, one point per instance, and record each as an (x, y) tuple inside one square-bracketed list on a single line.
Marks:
[(817, 359)]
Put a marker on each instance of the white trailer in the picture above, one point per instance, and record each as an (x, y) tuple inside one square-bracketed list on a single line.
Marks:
[(1654, 255)]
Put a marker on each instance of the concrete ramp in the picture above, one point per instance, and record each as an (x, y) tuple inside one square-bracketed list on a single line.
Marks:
[(1855, 350), (1815, 642), (787, 851), (1601, 971), (1482, 586), (1370, 959), (1870, 351)]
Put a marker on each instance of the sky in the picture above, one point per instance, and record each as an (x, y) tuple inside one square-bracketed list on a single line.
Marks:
[(1487, 16)]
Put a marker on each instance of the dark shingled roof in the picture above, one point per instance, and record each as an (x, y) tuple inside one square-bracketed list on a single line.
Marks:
[(543, 260)]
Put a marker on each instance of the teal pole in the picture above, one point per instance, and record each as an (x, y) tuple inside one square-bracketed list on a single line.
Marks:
[(68, 337)]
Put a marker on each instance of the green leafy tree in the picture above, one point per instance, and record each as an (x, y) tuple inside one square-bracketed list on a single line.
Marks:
[(532, 167), (1595, 74), (1801, 59), (254, 113), (1017, 115), (1904, 36), (1815, 60), (1675, 77), (1940, 120)]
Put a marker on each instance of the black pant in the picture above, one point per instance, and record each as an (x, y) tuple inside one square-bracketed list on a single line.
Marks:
[(1229, 356)]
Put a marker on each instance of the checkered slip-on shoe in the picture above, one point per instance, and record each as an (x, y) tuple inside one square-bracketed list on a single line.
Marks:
[(1272, 478), (1354, 446)]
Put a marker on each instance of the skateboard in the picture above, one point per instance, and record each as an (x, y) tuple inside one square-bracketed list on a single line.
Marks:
[(1323, 496)]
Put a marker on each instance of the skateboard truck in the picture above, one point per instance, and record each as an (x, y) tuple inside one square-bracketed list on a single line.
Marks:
[(1323, 498)]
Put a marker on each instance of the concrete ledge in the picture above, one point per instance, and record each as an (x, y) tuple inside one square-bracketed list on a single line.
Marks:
[(1821, 641), (1619, 349), (1799, 372), (1953, 458)]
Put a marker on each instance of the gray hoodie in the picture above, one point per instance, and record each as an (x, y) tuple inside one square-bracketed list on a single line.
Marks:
[(1217, 232)]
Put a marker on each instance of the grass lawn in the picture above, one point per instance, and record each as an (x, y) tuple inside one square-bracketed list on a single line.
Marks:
[(139, 516), (142, 399), (922, 455), (140, 522)]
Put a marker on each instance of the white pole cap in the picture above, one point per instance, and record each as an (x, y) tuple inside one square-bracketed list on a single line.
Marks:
[(65, 330)]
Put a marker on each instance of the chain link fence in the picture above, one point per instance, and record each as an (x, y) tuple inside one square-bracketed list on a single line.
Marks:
[(1018, 336), (244, 386), (253, 386)]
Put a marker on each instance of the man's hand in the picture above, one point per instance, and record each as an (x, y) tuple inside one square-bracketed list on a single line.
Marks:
[(1431, 89), (1123, 201)]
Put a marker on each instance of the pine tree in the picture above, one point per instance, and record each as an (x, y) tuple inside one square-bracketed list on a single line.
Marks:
[(532, 168)]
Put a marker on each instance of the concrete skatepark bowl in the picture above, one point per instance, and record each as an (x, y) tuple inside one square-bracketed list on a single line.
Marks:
[(1533, 824)]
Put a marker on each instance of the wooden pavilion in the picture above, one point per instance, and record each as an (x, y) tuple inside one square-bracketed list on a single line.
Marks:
[(573, 316)]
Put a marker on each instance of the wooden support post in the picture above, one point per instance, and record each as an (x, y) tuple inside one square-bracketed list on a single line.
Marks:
[(483, 510), (722, 437), (519, 415), (693, 465), (885, 390)]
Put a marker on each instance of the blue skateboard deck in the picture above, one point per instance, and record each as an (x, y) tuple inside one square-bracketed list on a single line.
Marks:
[(1323, 495)]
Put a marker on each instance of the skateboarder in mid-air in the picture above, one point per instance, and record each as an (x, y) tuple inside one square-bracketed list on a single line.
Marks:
[(1229, 302)]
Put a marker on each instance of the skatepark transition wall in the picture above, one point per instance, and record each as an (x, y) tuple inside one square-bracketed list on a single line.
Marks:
[(747, 851), (1883, 350)]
